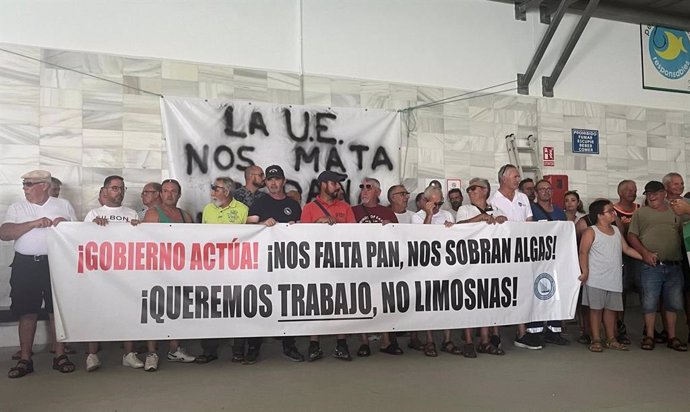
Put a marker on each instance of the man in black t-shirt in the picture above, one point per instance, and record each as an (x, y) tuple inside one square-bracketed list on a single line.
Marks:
[(269, 210)]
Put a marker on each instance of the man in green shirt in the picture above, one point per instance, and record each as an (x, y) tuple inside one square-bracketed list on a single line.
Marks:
[(655, 233)]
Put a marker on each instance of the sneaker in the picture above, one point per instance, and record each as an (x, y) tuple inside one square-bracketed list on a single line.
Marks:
[(92, 362), (315, 352), (342, 352), (555, 338), (293, 354), (180, 355), (252, 355), (151, 364), (528, 341), (132, 361)]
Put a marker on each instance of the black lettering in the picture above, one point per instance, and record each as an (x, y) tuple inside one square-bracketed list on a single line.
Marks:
[(193, 157), (230, 122), (256, 121)]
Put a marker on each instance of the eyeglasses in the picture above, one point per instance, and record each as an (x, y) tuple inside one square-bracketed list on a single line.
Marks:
[(610, 212), (117, 188), (216, 188), (367, 186), (401, 193), (31, 184)]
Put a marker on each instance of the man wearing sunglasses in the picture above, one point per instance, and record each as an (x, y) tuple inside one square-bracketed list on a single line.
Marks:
[(398, 196), (432, 214), (224, 209), (25, 223), (371, 211), (150, 197)]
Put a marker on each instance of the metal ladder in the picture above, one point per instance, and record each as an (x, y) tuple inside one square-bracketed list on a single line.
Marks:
[(524, 154)]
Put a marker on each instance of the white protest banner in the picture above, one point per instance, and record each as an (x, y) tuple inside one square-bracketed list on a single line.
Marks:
[(162, 281), (211, 138)]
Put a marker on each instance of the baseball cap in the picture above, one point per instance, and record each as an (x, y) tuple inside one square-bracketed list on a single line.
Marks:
[(653, 186), (275, 171), (330, 176)]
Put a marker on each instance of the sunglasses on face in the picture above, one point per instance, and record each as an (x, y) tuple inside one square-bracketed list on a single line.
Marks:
[(439, 203), (401, 193), (216, 188), (367, 186)]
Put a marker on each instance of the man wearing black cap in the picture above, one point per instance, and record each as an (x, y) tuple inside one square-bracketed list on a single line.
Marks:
[(326, 208), (269, 210), (26, 223), (655, 233)]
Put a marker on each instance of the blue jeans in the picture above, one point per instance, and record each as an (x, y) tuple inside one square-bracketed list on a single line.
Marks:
[(666, 279)]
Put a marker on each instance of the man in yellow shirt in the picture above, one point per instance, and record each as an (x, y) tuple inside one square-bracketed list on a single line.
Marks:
[(223, 209)]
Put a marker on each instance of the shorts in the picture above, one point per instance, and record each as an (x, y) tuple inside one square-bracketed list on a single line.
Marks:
[(598, 299), (666, 279), (30, 285)]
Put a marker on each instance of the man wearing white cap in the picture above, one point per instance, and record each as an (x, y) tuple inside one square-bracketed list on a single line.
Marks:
[(26, 223)]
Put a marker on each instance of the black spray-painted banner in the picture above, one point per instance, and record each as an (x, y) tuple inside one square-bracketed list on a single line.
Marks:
[(197, 281), (207, 139)]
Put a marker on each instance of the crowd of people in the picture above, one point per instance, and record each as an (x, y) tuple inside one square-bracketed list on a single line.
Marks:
[(622, 247)]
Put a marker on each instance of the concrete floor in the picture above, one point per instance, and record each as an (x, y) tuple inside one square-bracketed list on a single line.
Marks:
[(556, 378)]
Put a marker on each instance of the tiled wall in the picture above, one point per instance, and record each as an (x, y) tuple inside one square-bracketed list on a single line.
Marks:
[(83, 129)]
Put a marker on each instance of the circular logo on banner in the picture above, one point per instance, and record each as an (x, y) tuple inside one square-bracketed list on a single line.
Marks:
[(544, 286), (669, 50)]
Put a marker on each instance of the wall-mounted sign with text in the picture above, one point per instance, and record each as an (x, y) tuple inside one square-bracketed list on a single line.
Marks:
[(665, 59), (585, 141)]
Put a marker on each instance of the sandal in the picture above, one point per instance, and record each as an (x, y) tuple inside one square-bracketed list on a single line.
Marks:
[(615, 345), (430, 350), (647, 343), (415, 344), (450, 348), (584, 339), (364, 350), (677, 345), (490, 349), (23, 368), (392, 349), (595, 346), (63, 364), (468, 351), (18, 355), (205, 358)]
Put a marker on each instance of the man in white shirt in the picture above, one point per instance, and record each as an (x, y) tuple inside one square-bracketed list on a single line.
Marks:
[(27, 223), (398, 197), (515, 206), (111, 194)]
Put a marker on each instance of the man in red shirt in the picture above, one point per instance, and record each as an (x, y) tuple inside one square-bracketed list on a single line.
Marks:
[(327, 208)]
